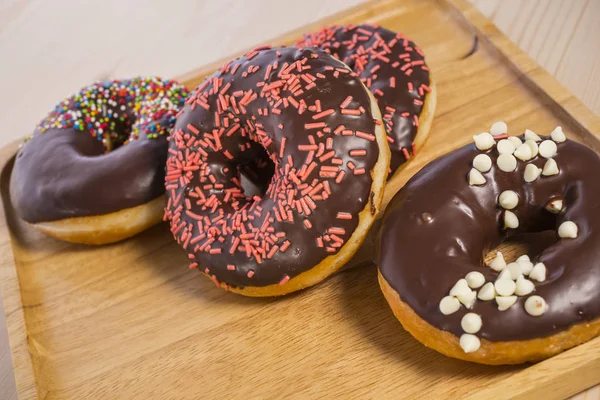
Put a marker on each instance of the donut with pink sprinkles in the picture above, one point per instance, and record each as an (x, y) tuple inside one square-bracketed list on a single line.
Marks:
[(302, 127)]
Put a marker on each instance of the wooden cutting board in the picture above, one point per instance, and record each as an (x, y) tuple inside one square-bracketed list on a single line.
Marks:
[(130, 320)]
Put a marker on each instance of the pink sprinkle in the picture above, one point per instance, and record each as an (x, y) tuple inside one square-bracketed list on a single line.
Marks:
[(273, 251), (358, 153), (193, 129), (344, 215), (350, 111), (323, 114), (336, 231), (406, 154), (285, 246), (346, 102), (365, 135), (285, 279), (315, 125), (282, 147)]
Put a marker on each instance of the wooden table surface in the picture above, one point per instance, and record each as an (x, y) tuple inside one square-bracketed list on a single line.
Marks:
[(52, 48)]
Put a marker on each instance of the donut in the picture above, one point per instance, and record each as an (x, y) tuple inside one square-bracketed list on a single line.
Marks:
[(439, 226), (306, 117), (92, 172), (393, 67)]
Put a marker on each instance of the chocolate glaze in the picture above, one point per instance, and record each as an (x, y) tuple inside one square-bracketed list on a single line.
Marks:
[(65, 173), (67, 169), (422, 258), (378, 54), (203, 118)]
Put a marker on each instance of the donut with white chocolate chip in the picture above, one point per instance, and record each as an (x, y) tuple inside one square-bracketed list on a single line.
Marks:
[(301, 125), (438, 228), (393, 67)]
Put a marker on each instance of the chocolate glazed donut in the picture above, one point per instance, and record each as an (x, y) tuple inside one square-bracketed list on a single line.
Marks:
[(308, 116), (93, 170), (440, 225), (393, 67)]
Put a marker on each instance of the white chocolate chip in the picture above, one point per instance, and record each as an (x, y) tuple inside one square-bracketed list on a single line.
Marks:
[(504, 274), (568, 229), (558, 135), (475, 178), (449, 305), (515, 270), (523, 152), (508, 199), (535, 306), (516, 141), (505, 302), (475, 279), (471, 323), (548, 149), (484, 141), (482, 162), (538, 273), (524, 287), (460, 287), (555, 206), (505, 146), (498, 262), (510, 220), (505, 287), (467, 298), (533, 146), (526, 266), (507, 162), (469, 343), (550, 168), (524, 257), (531, 135), (531, 173), (498, 128), (487, 292)]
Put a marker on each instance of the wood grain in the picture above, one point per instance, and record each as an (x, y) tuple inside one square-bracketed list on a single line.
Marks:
[(8, 387), (130, 321)]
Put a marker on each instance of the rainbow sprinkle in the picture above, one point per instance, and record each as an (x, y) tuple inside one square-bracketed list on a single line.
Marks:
[(116, 112)]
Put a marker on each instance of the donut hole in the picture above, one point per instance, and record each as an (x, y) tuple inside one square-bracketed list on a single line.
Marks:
[(536, 232), (530, 243), (256, 174)]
